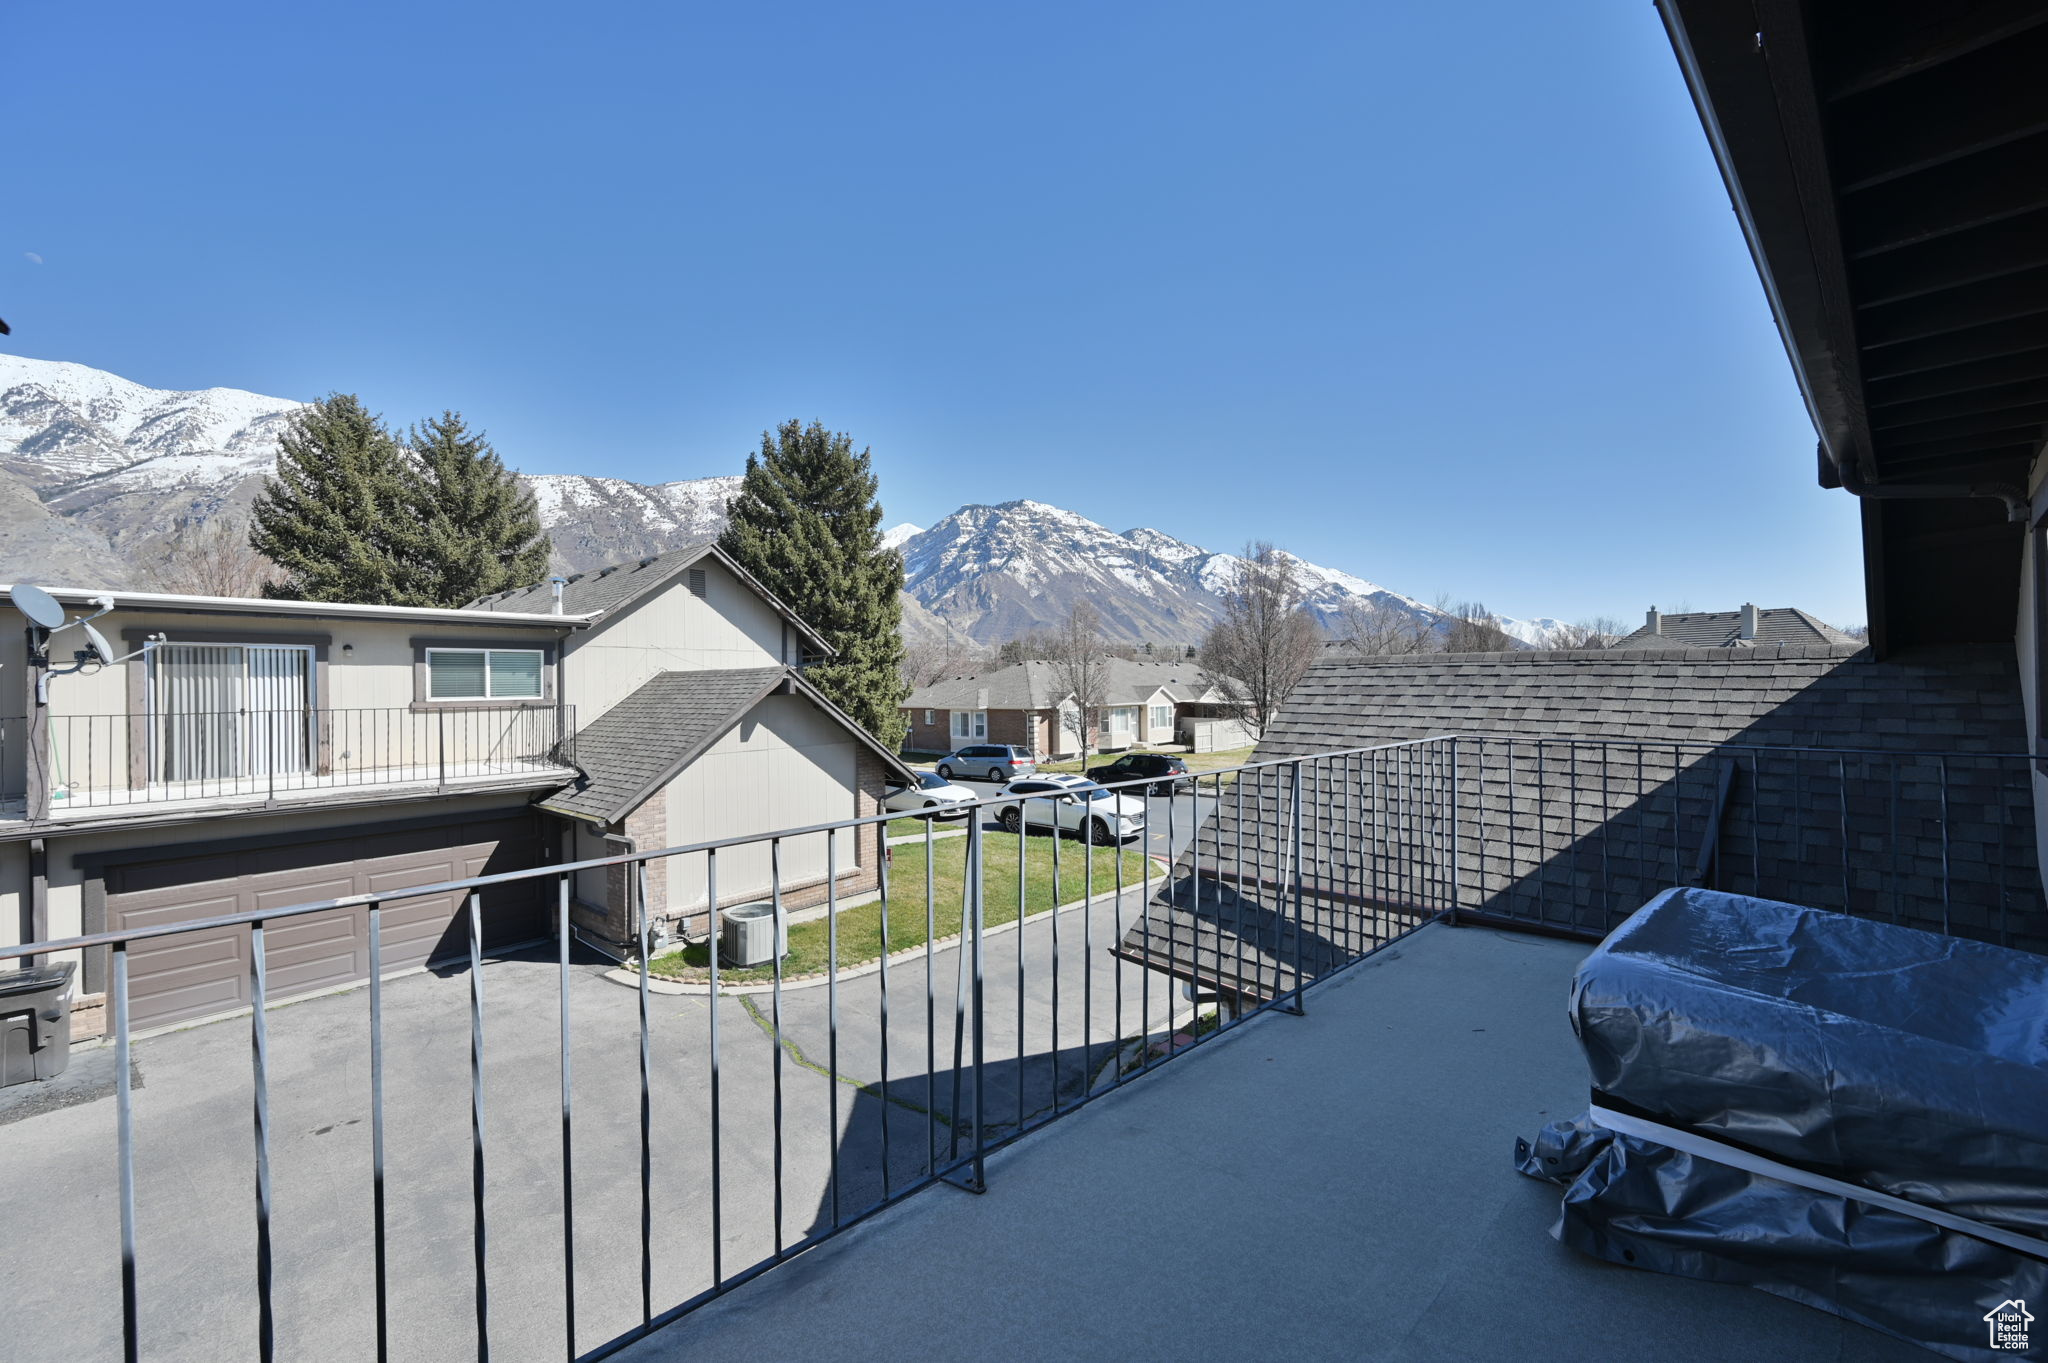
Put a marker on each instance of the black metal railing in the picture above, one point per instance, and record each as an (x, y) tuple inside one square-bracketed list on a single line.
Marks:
[(152, 758), (958, 991)]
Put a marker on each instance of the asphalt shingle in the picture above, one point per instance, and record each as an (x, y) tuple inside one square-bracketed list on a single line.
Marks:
[(634, 745)]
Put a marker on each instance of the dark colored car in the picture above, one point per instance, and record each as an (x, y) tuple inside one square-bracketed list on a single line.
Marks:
[(988, 762), (1165, 767)]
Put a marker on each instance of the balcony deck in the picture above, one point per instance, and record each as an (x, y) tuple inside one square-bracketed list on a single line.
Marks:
[(289, 789), (1335, 1186)]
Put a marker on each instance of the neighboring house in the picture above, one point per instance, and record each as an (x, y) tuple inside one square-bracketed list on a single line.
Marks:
[(1745, 628), (251, 752), (1025, 705)]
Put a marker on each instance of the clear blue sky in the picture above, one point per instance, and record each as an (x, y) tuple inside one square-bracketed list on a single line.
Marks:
[(1449, 296)]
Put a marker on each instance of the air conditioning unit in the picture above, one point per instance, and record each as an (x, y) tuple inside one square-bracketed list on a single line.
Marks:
[(752, 934)]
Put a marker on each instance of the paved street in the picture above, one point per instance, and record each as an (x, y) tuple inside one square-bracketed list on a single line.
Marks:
[(1170, 823), (1048, 1038)]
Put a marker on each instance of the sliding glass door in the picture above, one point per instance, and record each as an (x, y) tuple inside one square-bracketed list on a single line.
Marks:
[(221, 711)]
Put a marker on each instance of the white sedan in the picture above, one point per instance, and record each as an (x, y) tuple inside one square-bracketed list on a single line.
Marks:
[(933, 796), (1074, 804)]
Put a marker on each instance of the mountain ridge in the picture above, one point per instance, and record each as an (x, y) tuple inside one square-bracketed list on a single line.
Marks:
[(98, 474)]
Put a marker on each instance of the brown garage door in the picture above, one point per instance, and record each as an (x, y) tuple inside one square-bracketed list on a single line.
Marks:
[(195, 975)]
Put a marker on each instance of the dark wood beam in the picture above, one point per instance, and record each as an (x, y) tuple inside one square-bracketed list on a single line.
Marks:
[(1978, 427), (2021, 367), (1959, 309), (1988, 251), (1990, 96), (1939, 352), (1999, 183), (1926, 35), (2008, 397), (1963, 463)]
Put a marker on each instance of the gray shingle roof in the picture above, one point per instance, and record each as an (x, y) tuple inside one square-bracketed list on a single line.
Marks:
[(1723, 629), (601, 588), (1034, 685), (614, 588), (640, 743), (1831, 827)]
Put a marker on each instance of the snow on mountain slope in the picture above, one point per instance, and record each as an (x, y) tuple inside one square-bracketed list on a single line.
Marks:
[(998, 571), (97, 472)]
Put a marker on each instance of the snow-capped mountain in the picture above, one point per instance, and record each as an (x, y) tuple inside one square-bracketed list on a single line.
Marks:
[(97, 473), (995, 572)]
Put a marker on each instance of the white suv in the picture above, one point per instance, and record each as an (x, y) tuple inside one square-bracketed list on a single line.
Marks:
[(1073, 804)]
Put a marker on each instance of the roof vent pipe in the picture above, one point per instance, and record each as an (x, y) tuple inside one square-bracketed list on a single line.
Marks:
[(555, 584), (1750, 616), (1652, 621)]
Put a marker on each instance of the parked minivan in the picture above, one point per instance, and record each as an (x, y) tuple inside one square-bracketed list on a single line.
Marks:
[(988, 762)]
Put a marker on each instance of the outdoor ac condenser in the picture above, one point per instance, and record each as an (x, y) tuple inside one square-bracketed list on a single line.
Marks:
[(752, 934)]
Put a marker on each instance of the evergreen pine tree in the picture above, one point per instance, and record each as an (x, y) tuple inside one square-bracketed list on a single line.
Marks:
[(483, 530), (340, 517), (806, 523)]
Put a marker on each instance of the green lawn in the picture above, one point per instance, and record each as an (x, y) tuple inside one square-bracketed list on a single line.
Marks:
[(860, 929), (903, 828)]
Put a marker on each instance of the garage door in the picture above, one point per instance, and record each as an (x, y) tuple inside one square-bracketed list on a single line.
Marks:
[(196, 975)]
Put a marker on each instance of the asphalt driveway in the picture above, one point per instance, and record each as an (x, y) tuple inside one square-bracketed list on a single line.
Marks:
[(843, 1145)]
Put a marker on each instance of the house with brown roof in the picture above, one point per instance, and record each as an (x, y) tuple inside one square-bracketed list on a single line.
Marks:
[(1144, 703)]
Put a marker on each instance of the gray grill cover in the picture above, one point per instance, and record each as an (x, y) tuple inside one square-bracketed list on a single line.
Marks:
[(1898, 1059), (1902, 1060)]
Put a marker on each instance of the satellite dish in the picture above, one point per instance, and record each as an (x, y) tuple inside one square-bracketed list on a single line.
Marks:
[(37, 604), (97, 642)]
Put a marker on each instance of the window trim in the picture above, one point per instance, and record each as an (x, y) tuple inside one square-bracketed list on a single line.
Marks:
[(422, 698), (968, 734)]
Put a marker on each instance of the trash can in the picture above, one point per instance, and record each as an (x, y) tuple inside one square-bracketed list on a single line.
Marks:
[(753, 934), (35, 1023)]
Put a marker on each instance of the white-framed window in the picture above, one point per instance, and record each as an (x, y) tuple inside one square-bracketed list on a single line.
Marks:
[(1162, 719), (928, 717), (484, 673), (970, 726), (1120, 718)]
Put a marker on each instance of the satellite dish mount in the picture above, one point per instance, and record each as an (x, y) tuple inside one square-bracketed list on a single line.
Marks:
[(44, 612)]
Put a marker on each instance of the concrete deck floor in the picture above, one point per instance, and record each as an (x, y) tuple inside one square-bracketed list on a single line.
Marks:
[(1336, 1186)]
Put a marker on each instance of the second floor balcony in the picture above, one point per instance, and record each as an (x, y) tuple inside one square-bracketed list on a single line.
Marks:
[(527, 1152), (66, 769)]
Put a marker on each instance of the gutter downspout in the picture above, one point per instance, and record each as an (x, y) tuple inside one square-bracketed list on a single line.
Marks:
[(1851, 481)]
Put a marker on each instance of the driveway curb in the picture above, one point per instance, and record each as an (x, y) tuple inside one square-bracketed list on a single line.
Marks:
[(657, 985)]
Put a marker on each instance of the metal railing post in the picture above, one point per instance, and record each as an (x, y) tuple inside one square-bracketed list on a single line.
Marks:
[(1300, 1007), (1457, 881), (970, 1006)]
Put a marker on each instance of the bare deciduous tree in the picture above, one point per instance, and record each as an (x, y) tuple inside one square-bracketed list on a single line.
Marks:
[(1025, 647), (1266, 640), (211, 558), (1381, 628), (1472, 628), (1080, 670), (1602, 631), (936, 657)]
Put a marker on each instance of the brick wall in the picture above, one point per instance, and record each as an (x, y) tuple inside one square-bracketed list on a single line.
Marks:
[(613, 921), (936, 736)]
